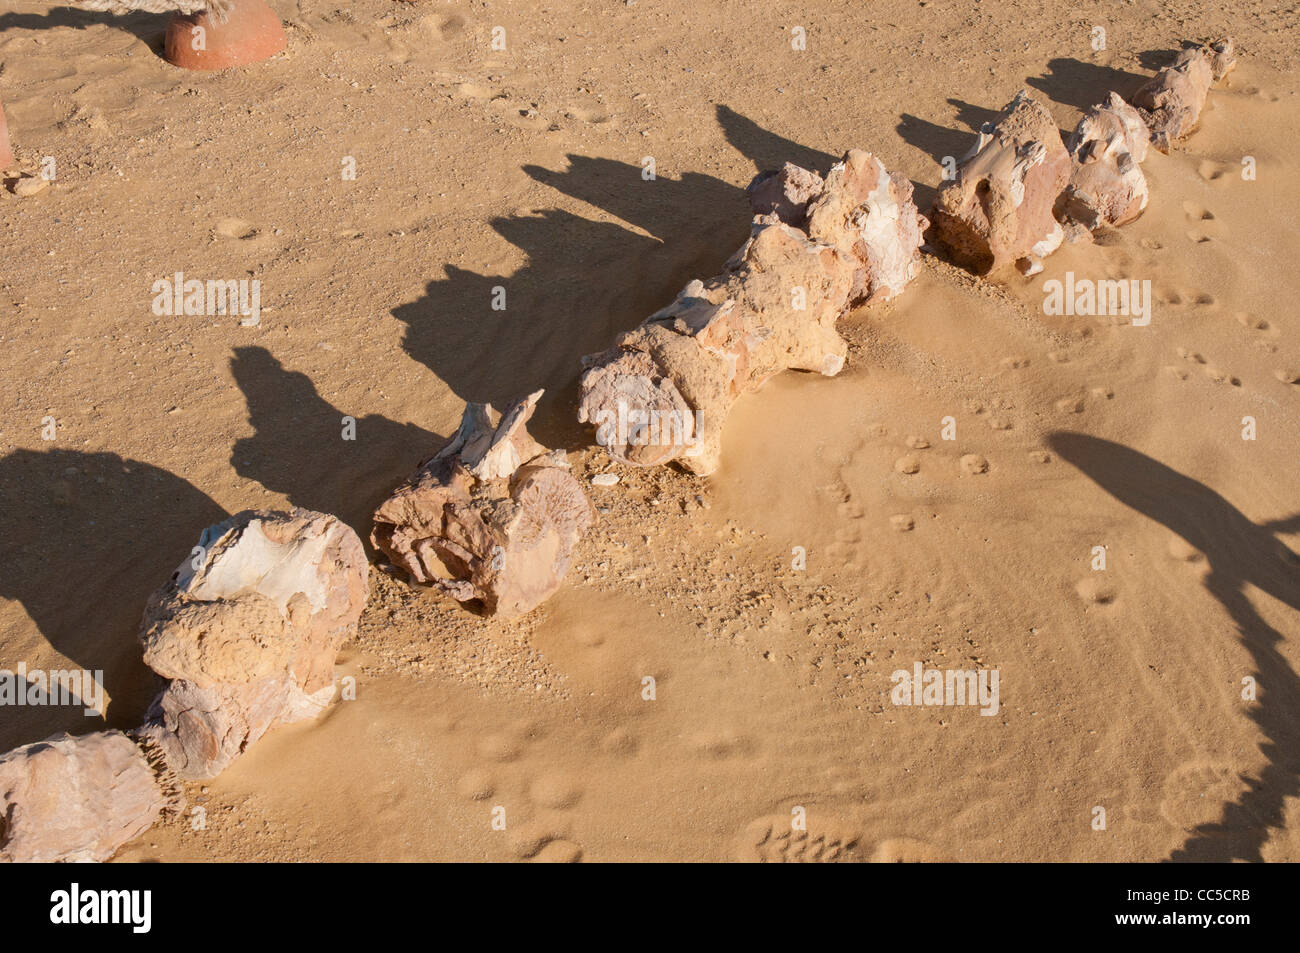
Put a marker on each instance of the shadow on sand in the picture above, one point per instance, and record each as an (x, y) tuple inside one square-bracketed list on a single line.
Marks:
[(1240, 553)]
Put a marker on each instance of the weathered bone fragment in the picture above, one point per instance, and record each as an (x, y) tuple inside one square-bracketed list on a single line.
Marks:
[(817, 247), (860, 209), (664, 390), (247, 630), (1106, 186), (76, 798), (494, 516), (1171, 102), (998, 209)]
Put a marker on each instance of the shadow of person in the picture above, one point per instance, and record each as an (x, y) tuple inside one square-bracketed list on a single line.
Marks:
[(493, 338), (84, 539), (1081, 84), (496, 337), (299, 446), (766, 149), (941, 143), (1240, 553), (149, 28)]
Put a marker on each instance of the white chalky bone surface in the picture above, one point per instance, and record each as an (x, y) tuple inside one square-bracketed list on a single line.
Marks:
[(248, 630), (76, 798)]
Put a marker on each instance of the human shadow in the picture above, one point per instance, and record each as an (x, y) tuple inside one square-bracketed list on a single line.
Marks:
[(302, 446), (84, 539), (494, 337), (766, 149), (149, 28), (1081, 84), (940, 142), (1241, 554)]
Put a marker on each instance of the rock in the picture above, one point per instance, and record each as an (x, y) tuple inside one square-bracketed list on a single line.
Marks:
[(248, 630), (817, 247), (1106, 185), (29, 186), (664, 390), (494, 516), (867, 214), (785, 193), (860, 209), (604, 479), (1171, 102), (76, 799), (998, 210)]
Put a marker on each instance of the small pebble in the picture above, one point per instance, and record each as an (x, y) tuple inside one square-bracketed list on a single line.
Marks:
[(604, 479)]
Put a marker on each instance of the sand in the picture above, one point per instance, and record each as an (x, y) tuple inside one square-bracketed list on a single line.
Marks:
[(1120, 688)]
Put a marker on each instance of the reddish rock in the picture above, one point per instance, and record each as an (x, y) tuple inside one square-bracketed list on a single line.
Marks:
[(248, 631), (999, 209), (493, 517), (1172, 100), (250, 33), (1106, 185), (76, 799)]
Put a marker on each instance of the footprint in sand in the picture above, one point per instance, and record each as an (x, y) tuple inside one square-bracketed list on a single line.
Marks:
[(235, 228), (620, 742), (587, 114), (908, 850), (1095, 590), (559, 852), (476, 784), (529, 839), (773, 840), (1183, 551), (1196, 792), (1220, 376), (500, 747), (909, 464), (1252, 323), (1211, 171), (554, 790)]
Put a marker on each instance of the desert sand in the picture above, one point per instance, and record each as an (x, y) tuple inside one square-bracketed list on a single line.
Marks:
[(843, 537)]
